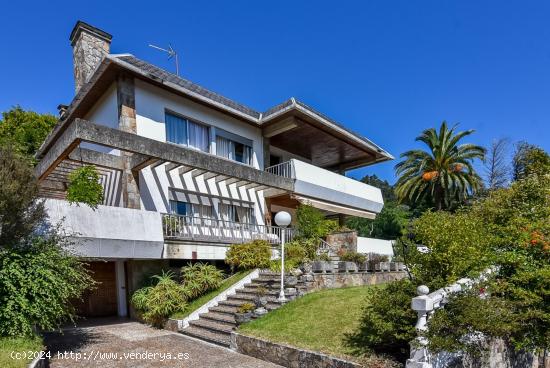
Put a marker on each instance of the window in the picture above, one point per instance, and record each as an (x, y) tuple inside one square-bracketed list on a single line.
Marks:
[(232, 213), (180, 208), (232, 150), (188, 209), (186, 133)]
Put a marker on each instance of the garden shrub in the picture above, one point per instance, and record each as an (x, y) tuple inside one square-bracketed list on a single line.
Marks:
[(311, 223), (295, 251), (387, 325), (275, 265), (323, 257), (246, 307), (375, 258), (39, 277), (38, 282), (84, 187), (159, 301), (246, 256), (354, 257), (199, 278)]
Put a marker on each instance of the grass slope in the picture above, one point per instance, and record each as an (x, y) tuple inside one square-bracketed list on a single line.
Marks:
[(20, 345), (318, 321), (197, 303)]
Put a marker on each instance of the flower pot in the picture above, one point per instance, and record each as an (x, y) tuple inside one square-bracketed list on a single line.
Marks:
[(260, 301), (321, 266), (364, 266), (347, 267), (258, 312), (243, 317)]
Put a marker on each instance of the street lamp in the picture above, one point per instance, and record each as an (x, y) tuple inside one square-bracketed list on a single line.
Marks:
[(282, 219)]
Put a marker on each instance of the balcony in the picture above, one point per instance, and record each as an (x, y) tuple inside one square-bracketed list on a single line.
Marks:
[(328, 190), (177, 227)]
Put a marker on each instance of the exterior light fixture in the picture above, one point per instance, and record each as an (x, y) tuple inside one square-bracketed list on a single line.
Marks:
[(282, 219)]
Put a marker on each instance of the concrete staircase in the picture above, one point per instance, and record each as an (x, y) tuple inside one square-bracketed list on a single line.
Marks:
[(216, 325)]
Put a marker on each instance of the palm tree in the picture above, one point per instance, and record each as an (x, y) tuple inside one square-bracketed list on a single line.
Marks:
[(441, 174)]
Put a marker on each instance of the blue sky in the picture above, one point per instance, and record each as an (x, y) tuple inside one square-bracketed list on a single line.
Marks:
[(386, 69)]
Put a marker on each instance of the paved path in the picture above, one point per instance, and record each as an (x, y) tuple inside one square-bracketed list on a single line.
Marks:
[(116, 343)]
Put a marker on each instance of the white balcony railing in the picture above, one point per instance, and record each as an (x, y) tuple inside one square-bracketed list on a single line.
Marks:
[(284, 169), (210, 229), (316, 183)]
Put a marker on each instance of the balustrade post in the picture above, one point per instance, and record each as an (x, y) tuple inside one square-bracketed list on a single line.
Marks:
[(423, 305)]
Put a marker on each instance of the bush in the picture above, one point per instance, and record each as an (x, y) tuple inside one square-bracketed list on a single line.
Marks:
[(375, 258), (246, 307), (246, 256), (354, 257), (200, 278), (38, 282), (311, 223), (275, 265), (159, 301), (323, 257), (84, 187), (387, 326), (296, 252)]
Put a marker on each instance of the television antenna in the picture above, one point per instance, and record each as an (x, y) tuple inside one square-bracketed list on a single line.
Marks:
[(171, 54)]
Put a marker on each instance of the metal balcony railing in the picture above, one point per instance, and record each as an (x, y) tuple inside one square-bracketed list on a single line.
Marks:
[(284, 169), (210, 229)]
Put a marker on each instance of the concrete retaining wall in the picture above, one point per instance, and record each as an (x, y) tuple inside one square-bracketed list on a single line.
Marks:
[(285, 355)]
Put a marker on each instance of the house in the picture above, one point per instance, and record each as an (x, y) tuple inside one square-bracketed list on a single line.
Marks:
[(185, 171)]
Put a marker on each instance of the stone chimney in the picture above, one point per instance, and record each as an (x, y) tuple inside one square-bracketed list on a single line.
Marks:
[(90, 45)]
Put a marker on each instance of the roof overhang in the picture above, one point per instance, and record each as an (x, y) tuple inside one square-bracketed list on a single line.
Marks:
[(360, 151)]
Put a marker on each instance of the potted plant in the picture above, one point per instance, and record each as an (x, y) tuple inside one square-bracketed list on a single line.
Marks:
[(261, 299), (322, 263), (374, 260), (244, 313), (349, 261)]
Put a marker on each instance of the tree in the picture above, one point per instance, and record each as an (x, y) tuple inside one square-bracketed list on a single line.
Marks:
[(84, 187), (389, 224), (388, 192), (497, 172), (443, 173), (39, 278), (26, 130), (529, 159)]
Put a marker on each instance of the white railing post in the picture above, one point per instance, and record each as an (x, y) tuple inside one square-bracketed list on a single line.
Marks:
[(423, 306)]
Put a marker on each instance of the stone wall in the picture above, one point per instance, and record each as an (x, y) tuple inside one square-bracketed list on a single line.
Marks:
[(343, 240), (338, 280), (285, 355)]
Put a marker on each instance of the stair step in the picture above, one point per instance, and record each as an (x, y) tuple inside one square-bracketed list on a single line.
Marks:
[(220, 317), (207, 335), (210, 325), (225, 309), (254, 292)]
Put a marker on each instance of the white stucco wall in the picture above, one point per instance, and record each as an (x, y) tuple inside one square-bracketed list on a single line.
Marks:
[(151, 105), (104, 112), (371, 245)]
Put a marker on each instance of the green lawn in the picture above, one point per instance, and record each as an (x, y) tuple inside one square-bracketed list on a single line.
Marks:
[(197, 303), (318, 321), (20, 345)]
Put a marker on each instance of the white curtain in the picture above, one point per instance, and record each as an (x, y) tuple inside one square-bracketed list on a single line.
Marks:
[(176, 131), (247, 155), (225, 148), (198, 136)]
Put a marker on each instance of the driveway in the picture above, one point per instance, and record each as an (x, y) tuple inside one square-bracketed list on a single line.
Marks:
[(124, 343)]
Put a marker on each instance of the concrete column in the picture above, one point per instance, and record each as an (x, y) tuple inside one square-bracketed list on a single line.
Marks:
[(126, 99), (266, 144), (120, 273)]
